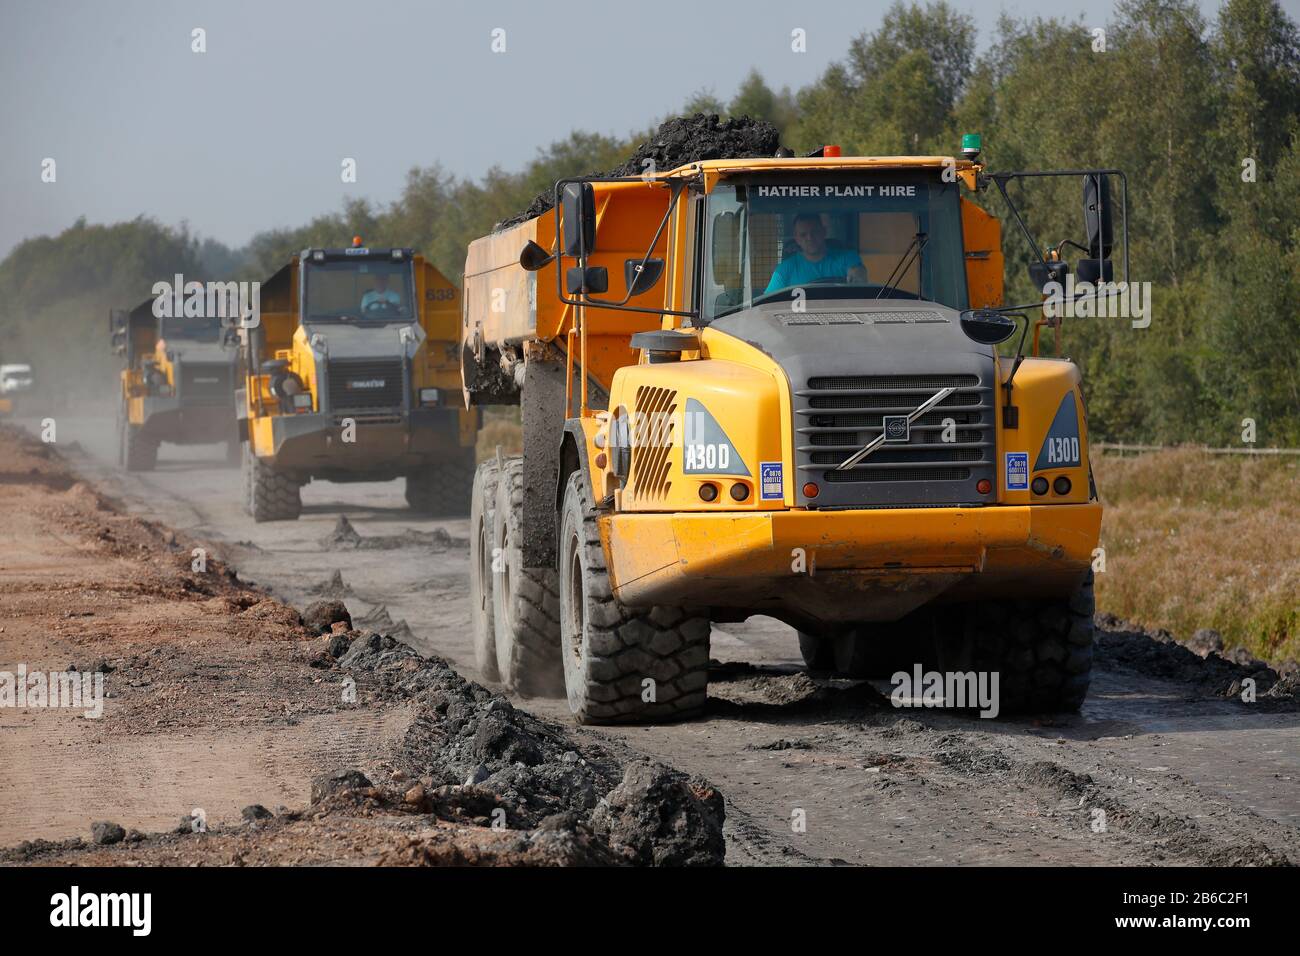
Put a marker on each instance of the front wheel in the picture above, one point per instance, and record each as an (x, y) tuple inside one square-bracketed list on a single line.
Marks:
[(621, 665), (1041, 650), (271, 496)]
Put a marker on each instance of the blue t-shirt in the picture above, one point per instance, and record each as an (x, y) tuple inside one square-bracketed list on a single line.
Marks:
[(375, 298), (796, 270)]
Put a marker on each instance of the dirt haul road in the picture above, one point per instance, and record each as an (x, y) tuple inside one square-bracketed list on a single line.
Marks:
[(1161, 766)]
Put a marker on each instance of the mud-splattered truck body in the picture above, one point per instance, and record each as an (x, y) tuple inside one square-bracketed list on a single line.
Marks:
[(350, 374), (717, 424)]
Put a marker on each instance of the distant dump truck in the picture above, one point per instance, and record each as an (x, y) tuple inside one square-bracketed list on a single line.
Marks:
[(772, 386), (351, 374), (15, 379), (177, 384)]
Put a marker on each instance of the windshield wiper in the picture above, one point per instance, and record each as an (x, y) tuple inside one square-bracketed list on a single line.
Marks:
[(900, 269)]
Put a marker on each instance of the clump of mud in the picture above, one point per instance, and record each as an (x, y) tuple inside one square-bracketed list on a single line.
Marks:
[(335, 587), (344, 537), (378, 619), (480, 759), (677, 142)]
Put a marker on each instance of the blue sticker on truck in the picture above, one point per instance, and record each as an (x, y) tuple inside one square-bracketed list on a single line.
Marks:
[(1017, 477), (770, 480)]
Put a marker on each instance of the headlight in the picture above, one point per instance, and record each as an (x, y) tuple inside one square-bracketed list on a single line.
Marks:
[(302, 402), (428, 396)]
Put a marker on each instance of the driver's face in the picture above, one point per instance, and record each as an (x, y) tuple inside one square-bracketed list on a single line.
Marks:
[(810, 237)]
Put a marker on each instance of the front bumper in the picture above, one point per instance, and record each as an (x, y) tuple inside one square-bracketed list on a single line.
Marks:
[(312, 444), (173, 420), (849, 566)]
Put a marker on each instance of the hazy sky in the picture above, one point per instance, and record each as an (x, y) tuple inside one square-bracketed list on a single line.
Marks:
[(250, 135)]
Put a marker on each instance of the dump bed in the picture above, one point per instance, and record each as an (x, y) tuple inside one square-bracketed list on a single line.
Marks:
[(506, 306)]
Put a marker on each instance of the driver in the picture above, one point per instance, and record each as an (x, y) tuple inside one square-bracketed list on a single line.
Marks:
[(815, 259), (380, 297)]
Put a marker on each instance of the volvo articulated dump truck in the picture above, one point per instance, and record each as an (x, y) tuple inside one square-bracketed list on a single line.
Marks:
[(773, 386), (177, 383), (351, 375)]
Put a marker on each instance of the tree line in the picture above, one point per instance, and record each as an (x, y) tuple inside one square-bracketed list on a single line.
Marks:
[(1201, 114)]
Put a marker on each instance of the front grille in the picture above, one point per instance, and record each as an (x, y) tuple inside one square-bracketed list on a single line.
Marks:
[(652, 440), (206, 384), (835, 415), (360, 384)]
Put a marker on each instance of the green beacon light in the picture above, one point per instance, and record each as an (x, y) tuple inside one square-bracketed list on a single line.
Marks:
[(970, 145)]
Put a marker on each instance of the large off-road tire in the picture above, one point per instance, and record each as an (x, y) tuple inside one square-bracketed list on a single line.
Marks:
[(525, 601), (1041, 650), (621, 665), (443, 490), (482, 505), (818, 652), (271, 496), (139, 453)]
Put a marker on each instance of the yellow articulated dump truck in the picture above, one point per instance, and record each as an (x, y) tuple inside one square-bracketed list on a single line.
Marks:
[(773, 386), (351, 374), (177, 383)]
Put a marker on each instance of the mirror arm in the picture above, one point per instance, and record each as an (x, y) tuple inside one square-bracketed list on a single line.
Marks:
[(677, 187), (1000, 180)]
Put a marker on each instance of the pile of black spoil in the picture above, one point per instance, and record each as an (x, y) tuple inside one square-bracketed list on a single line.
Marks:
[(679, 141), (489, 762), (1200, 661)]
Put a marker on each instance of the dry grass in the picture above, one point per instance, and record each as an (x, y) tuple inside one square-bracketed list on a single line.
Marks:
[(1195, 540), (500, 428)]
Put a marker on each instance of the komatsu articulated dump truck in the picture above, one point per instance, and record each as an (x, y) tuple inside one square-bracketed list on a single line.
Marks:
[(177, 383), (350, 374), (772, 386)]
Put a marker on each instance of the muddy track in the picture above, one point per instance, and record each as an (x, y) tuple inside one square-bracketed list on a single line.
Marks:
[(1155, 770)]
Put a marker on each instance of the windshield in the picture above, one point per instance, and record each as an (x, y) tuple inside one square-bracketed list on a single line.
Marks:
[(194, 328), (359, 290), (781, 237)]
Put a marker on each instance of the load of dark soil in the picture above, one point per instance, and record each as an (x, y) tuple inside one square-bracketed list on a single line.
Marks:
[(480, 759), (679, 141)]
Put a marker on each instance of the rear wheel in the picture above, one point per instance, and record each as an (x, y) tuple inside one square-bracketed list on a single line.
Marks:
[(481, 560), (525, 601), (1041, 650), (621, 664), (443, 489), (271, 496), (818, 652)]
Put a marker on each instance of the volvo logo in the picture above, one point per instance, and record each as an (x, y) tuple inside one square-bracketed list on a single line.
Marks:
[(897, 428), (367, 383)]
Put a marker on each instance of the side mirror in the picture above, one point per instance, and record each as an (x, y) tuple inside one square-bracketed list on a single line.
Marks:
[(642, 278), (1097, 215), (578, 204), (593, 279), (986, 326), (534, 257), (1041, 273), (1095, 270)]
